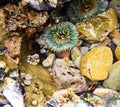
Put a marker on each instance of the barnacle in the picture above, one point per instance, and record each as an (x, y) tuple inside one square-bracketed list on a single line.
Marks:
[(61, 37), (82, 10)]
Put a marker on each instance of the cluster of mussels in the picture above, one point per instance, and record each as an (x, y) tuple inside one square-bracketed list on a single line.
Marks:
[(60, 53)]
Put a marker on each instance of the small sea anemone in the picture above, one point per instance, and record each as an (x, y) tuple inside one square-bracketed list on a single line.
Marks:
[(61, 37), (82, 10)]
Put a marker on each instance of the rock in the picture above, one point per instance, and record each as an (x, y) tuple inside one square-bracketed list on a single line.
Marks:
[(106, 42), (13, 45), (115, 33), (113, 80), (77, 62), (115, 41), (62, 62), (117, 51), (105, 92), (97, 28), (84, 50), (109, 96), (94, 45), (96, 64), (67, 76), (75, 53), (49, 60)]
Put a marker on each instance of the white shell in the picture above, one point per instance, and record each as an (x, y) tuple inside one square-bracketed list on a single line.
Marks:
[(12, 93), (49, 60)]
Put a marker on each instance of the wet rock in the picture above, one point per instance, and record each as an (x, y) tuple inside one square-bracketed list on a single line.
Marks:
[(67, 76), (84, 50), (76, 56), (117, 51), (115, 34), (97, 28), (13, 45), (77, 62), (115, 41), (14, 73), (62, 62), (49, 60), (75, 53), (96, 64), (113, 80), (105, 92)]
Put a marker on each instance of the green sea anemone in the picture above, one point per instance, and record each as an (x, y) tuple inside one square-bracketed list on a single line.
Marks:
[(82, 10), (61, 37)]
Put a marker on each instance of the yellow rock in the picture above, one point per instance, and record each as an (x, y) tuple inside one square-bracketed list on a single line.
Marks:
[(113, 80), (97, 28), (96, 64), (117, 52)]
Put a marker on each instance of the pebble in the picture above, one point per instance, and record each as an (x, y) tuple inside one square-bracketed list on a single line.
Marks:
[(84, 50), (116, 41), (96, 63), (49, 60), (115, 33), (117, 51), (75, 53), (94, 45), (77, 62), (113, 80), (7, 105), (67, 76)]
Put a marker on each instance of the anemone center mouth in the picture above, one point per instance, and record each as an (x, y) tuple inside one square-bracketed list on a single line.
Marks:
[(87, 7), (63, 34)]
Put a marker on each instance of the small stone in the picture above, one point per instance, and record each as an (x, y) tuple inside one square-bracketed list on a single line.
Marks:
[(49, 60), (62, 62), (96, 64), (7, 105), (84, 50), (22, 75), (113, 80), (117, 51), (75, 53), (42, 51), (94, 45), (67, 76), (116, 41), (27, 82), (34, 102), (28, 77), (106, 42), (77, 62), (115, 33)]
